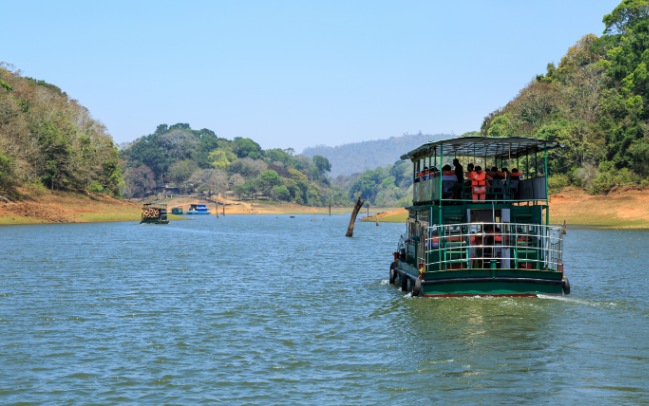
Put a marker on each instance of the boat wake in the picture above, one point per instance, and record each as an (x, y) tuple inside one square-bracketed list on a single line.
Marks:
[(569, 299)]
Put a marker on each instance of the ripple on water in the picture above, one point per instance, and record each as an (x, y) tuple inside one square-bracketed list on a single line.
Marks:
[(273, 310)]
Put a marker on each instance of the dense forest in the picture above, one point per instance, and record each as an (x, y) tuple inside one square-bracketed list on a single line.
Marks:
[(595, 103), (48, 140), (177, 159)]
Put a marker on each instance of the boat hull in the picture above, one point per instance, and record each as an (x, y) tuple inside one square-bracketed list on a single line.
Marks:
[(480, 282)]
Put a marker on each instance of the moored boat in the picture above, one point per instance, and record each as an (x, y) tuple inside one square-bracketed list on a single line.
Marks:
[(154, 213), (487, 234), (198, 209)]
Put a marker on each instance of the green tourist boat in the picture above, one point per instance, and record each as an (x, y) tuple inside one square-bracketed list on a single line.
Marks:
[(482, 235)]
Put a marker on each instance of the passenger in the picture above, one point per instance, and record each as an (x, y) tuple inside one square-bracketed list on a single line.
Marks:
[(496, 174), (459, 175), (459, 170), (448, 173), (420, 176), (514, 180), (469, 171), (479, 184), (516, 174), (467, 183), (505, 173)]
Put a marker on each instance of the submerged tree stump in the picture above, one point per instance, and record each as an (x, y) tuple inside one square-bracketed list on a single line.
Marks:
[(357, 208)]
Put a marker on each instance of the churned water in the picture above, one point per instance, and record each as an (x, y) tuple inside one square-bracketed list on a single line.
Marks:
[(275, 310)]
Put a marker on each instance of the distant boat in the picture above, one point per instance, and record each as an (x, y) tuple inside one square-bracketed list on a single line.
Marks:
[(154, 213), (198, 209), (176, 210)]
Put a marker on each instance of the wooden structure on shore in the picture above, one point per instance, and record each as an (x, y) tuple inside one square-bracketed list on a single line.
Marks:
[(154, 213)]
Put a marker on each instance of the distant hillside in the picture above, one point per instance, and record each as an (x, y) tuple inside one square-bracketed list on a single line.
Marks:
[(358, 157)]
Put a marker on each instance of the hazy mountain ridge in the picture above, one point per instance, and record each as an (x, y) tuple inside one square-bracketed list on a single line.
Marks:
[(358, 157)]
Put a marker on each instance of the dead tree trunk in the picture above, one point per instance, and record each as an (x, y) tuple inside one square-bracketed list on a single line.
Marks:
[(357, 208)]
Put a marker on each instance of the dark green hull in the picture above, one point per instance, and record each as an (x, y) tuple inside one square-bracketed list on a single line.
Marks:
[(480, 282)]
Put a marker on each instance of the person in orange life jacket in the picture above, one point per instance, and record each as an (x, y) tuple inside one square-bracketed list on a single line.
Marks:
[(468, 175), (479, 184)]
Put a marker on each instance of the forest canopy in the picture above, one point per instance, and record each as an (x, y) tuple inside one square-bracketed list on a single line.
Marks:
[(178, 159)]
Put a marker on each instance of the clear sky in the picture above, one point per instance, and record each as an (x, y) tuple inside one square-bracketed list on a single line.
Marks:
[(292, 73)]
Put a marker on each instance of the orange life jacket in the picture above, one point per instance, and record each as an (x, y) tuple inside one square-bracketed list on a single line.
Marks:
[(479, 179)]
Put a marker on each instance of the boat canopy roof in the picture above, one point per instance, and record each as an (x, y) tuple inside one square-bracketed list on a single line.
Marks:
[(504, 148)]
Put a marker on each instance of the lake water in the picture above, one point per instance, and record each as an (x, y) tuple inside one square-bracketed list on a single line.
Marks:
[(274, 310)]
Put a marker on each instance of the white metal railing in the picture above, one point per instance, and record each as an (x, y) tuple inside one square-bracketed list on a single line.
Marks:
[(493, 245)]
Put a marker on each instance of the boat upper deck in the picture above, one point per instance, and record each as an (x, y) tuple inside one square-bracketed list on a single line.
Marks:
[(433, 185)]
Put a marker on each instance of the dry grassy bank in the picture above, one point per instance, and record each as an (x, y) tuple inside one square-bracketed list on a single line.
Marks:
[(620, 209)]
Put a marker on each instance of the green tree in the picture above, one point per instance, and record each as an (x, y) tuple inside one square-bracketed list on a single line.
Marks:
[(501, 126), (322, 164), (221, 158), (267, 180), (7, 177), (245, 147), (625, 16)]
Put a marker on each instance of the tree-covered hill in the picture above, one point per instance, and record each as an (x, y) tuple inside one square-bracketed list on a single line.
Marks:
[(595, 103), (48, 140), (178, 159), (354, 158)]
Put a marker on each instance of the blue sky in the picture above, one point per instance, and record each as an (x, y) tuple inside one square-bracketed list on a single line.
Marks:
[(293, 74)]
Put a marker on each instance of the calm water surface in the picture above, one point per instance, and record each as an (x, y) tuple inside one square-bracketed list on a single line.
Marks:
[(266, 310)]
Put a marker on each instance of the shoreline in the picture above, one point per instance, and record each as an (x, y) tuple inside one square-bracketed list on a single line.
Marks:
[(624, 209)]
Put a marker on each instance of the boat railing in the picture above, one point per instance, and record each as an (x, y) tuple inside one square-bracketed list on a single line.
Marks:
[(493, 246)]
